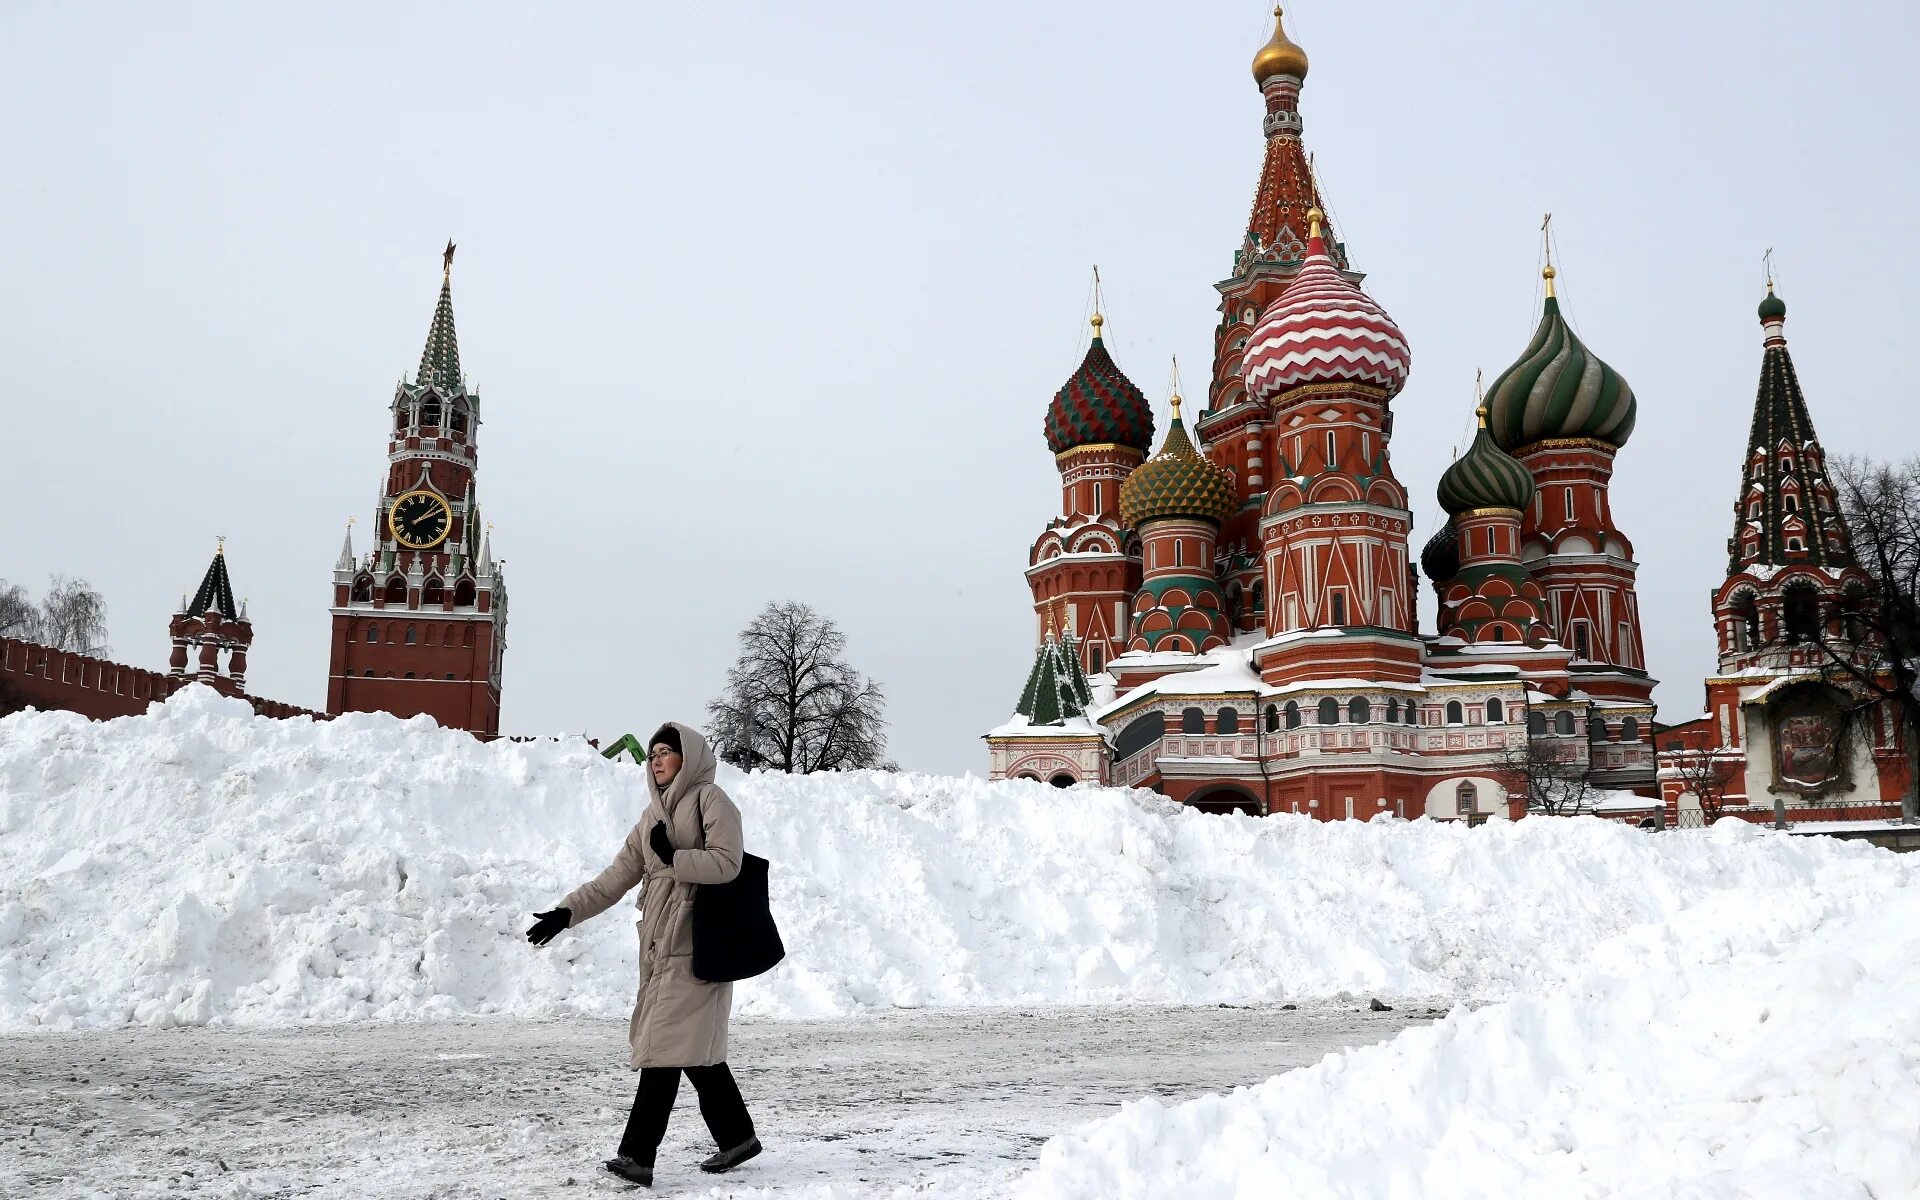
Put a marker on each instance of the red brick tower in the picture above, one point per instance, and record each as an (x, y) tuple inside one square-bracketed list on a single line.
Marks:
[(420, 621), (1084, 567), (1233, 431), (1565, 414), (208, 624)]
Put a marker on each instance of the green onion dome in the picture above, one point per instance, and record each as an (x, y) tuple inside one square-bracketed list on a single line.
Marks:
[(1559, 389), (1099, 406), (1773, 308), (1177, 482), (1441, 557), (1485, 477)]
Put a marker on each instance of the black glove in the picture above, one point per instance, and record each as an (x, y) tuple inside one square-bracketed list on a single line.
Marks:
[(658, 840), (548, 925)]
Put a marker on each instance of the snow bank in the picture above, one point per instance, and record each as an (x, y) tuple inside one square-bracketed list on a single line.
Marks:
[(1764, 1050), (201, 865)]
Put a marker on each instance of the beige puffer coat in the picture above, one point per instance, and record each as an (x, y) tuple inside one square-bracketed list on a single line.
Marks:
[(678, 1020)]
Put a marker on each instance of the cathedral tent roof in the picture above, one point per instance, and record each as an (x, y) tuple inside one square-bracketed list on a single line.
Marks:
[(215, 593)]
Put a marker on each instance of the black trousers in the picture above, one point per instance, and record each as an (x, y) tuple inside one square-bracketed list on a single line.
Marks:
[(720, 1105)]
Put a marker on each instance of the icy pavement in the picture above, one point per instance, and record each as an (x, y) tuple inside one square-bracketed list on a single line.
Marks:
[(925, 1103)]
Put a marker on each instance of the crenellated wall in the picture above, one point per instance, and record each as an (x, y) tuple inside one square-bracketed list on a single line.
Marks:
[(47, 678)]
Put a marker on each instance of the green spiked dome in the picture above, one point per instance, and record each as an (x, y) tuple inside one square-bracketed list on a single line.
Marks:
[(1559, 389), (1177, 482), (1485, 477), (1099, 406)]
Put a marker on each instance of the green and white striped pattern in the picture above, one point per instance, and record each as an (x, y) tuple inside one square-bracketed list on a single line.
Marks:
[(1485, 477), (1559, 389)]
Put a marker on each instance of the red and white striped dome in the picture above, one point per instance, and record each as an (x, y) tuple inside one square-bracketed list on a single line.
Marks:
[(1324, 329)]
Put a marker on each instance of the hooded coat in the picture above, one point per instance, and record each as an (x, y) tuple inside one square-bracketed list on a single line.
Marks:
[(678, 1020)]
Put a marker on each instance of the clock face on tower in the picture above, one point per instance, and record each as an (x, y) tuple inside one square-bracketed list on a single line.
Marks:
[(420, 520)]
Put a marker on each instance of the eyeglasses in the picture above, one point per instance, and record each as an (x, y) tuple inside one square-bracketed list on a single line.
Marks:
[(657, 755)]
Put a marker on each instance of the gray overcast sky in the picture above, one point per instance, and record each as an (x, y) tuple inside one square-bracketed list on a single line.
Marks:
[(767, 300)]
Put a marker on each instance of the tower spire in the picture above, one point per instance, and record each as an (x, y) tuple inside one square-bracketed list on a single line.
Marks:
[(440, 358)]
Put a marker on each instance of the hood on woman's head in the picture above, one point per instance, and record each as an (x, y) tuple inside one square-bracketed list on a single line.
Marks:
[(667, 735)]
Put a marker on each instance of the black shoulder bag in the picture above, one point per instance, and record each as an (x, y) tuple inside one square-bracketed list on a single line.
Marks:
[(734, 936)]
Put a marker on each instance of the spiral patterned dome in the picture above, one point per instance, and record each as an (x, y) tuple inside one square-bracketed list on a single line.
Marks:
[(1177, 482), (1559, 389), (1099, 404), (1323, 329), (1441, 557), (1485, 477)]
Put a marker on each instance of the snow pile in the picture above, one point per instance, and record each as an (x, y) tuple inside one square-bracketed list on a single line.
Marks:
[(1765, 1050), (201, 865)]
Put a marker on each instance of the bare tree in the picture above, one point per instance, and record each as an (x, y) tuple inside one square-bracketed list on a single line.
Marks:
[(19, 617), (792, 701), (1874, 646), (1708, 777), (1551, 772), (72, 617)]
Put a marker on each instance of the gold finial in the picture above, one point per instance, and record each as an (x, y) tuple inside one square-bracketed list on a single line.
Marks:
[(1049, 618), (1280, 56), (446, 261), (220, 546), (1314, 218), (1098, 303), (1547, 273), (1481, 412)]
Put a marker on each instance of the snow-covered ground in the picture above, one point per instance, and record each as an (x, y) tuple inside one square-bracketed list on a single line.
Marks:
[(1707, 1013)]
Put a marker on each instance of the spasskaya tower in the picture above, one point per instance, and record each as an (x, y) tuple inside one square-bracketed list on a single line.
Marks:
[(420, 620)]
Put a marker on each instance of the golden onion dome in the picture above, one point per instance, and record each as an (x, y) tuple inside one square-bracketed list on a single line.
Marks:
[(1280, 56)]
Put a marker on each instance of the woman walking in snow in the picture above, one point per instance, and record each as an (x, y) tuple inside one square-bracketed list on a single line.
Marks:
[(689, 835)]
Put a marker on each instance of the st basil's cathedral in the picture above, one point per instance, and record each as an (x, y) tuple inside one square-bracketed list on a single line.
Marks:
[(1231, 619)]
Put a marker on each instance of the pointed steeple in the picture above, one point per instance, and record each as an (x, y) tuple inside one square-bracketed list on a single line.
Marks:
[(440, 359), (345, 561), (1786, 513), (1051, 696), (216, 590)]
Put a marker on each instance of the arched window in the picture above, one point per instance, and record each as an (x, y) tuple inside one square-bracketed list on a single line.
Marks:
[(1192, 720), (363, 588), (1393, 710), (1062, 780), (373, 633), (1853, 611), (1329, 711), (1359, 711), (402, 417), (410, 635), (1537, 724), (1496, 711), (1456, 715), (1147, 731), (396, 590), (1802, 613), (463, 594), (1746, 630), (430, 413), (367, 675), (408, 675), (1563, 722), (1629, 730), (1413, 713), (1465, 798), (1293, 714), (1596, 729), (459, 418), (433, 593), (1227, 720)]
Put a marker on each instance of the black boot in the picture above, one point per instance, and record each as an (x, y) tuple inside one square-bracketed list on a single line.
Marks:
[(631, 1171), (727, 1160)]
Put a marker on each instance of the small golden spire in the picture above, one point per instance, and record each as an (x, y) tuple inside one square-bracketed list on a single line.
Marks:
[(1546, 250), (1481, 412), (1173, 384), (1314, 218), (1098, 303), (1547, 273)]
